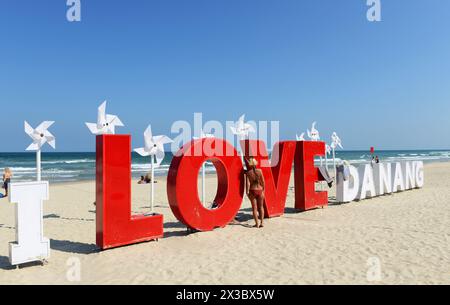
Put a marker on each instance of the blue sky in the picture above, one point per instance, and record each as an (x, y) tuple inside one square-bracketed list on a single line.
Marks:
[(380, 84)]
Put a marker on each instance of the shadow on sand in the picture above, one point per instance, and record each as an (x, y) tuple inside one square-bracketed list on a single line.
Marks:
[(73, 247)]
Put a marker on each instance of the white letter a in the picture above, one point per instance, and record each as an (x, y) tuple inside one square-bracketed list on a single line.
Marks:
[(374, 12), (74, 12)]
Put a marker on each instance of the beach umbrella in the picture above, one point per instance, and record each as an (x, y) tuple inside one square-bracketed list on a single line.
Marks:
[(336, 142), (40, 136), (106, 123), (204, 136), (154, 148), (242, 130), (301, 138)]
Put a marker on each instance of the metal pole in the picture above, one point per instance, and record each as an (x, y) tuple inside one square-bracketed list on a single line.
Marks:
[(203, 184), (38, 165), (334, 163), (153, 184)]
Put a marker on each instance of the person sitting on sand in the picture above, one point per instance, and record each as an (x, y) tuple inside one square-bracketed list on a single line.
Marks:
[(255, 186), (7, 175), (145, 179)]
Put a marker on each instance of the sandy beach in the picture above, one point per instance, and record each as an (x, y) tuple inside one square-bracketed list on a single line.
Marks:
[(409, 233)]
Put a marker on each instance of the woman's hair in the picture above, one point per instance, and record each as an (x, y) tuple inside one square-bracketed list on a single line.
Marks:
[(7, 170), (252, 162)]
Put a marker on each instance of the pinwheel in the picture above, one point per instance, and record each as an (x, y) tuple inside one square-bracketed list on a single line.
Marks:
[(204, 136), (40, 136), (154, 147), (242, 129), (314, 134), (106, 123), (301, 138), (336, 142)]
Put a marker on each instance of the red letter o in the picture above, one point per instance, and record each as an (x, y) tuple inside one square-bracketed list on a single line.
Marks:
[(182, 183)]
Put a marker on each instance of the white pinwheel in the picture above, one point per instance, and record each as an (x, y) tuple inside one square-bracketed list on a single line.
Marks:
[(314, 134), (40, 136), (242, 129), (301, 138), (106, 123), (335, 143), (154, 148)]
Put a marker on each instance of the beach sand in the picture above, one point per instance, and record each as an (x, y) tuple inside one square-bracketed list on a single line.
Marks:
[(408, 233)]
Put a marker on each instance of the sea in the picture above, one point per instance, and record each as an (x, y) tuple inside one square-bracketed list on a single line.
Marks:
[(72, 167)]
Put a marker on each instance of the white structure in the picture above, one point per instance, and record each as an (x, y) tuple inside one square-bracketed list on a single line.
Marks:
[(106, 123), (313, 134), (154, 148), (369, 180), (40, 136), (30, 245), (204, 135)]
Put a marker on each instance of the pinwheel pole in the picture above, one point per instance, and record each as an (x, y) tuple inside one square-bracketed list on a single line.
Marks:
[(334, 160), (152, 168), (38, 165), (204, 183)]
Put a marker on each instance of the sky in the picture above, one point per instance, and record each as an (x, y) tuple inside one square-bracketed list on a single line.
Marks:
[(384, 84)]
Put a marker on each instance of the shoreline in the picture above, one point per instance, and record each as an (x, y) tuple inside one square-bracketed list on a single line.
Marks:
[(207, 174)]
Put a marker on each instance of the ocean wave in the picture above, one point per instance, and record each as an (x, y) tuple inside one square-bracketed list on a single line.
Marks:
[(69, 161)]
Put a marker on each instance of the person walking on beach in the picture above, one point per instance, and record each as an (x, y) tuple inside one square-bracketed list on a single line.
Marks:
[(255, 186), (7, 175)]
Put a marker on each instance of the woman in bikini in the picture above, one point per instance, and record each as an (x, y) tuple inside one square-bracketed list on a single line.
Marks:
[(255, 191)]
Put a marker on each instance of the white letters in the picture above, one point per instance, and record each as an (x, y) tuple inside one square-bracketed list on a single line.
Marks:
[(383, 178), (399, 182), (379, 179), (347, 190), (420, 179), (410, 175), (367, 184), (31, 245)]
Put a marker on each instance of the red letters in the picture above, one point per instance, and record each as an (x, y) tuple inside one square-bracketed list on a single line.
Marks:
[(182, 184), (115, 225), (306, 175), (277, 175)]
